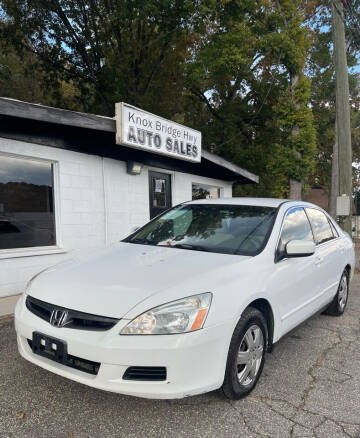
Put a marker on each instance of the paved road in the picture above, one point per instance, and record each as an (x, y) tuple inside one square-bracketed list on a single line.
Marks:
[(310, 388)]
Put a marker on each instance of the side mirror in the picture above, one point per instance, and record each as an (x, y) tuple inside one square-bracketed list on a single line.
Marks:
[(300, 248)]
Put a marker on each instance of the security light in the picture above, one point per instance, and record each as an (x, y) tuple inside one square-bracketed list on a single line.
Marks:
[(133, 168)]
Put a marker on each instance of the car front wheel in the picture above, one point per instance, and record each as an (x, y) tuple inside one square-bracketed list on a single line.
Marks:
[(246, 354)]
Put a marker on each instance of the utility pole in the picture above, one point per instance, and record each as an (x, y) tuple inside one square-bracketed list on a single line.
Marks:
[(342, 108), (334, 185)]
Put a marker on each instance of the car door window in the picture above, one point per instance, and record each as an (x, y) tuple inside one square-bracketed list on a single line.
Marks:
[(334, 230), (296, 226), (320, 225)]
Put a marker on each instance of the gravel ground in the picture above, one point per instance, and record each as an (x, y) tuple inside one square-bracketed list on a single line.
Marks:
[(310, 387)]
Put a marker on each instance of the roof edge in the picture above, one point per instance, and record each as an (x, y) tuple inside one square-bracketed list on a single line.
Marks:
[(43, 113), (228, 165)]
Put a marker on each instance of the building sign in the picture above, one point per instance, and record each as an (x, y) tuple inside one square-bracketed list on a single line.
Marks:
[(142, 130)]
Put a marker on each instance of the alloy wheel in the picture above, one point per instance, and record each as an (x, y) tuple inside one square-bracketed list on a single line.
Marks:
[(343, 293), (250, 355)]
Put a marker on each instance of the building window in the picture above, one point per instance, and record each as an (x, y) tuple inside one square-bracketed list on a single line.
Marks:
[(203, 191), (26, 203)]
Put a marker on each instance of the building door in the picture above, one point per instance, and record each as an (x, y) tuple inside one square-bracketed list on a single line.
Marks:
[(160, 192)]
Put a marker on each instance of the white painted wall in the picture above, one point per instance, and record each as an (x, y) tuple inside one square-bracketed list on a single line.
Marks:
[(96, 204)]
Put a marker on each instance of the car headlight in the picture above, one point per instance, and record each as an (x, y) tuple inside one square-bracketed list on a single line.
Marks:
[(180, 316)]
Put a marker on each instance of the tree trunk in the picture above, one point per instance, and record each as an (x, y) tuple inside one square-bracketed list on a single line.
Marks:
[(334, 184), (295, 186), (295, 189)]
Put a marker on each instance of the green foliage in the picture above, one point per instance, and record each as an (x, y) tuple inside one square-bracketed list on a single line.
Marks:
[(128, 50), (222, 66), (321, 70), (242, 74), (18, 79), (284, 163)]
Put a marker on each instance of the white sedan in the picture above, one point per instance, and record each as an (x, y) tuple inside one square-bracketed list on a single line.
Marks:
[(189, 303)]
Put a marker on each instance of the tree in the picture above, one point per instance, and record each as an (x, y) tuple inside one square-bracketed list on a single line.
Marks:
[(321, 70), (126, 50), (233, 69), (248, 74), (21, 79), (18, 78)]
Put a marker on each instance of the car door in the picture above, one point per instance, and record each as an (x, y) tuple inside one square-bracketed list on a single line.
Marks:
[(328, 253), (295, 282)]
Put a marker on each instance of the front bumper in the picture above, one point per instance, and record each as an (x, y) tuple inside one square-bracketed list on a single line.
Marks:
[(195, 362)]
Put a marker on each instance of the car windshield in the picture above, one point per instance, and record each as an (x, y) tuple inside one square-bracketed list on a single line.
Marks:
[(227, 229)]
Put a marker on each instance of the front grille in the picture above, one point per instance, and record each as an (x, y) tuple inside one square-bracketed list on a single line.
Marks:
[(145, 373), (74, 319), (87, 366)]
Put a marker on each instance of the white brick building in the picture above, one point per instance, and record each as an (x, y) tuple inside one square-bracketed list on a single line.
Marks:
[(65, 186)]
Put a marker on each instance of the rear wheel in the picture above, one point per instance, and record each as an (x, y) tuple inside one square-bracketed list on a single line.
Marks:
[(338, 304), (246, 354)]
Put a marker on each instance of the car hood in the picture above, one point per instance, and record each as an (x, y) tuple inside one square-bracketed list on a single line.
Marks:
[(113, 281)]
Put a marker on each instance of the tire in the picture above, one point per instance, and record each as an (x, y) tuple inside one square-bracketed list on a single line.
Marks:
[(338, 304), (250, 337)]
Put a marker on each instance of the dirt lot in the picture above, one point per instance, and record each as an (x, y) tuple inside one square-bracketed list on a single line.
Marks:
[(310, 388)]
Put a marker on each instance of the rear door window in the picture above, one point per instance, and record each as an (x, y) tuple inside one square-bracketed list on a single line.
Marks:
[(334, 230), (320, 224)]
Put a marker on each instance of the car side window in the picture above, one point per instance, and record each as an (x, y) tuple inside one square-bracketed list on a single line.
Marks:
[(334, 230), (320, 224), (296, 226)]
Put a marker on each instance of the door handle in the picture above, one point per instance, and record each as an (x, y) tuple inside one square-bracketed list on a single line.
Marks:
[(318, 260)]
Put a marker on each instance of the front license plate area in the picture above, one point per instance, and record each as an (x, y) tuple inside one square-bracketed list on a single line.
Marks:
[(49, 347)]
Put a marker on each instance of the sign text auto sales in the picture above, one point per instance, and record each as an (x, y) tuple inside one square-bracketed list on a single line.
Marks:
[(142, 130)]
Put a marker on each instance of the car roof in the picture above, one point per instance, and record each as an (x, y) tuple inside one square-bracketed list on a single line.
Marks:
[(263, 202)]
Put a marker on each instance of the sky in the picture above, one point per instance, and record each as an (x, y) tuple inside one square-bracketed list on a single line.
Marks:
[(21, 170)]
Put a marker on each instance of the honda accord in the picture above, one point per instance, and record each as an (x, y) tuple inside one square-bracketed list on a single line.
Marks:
[(189, 303)]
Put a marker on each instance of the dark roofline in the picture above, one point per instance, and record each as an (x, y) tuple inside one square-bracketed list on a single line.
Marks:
[(228, 165), (42, 113), (31, 111)]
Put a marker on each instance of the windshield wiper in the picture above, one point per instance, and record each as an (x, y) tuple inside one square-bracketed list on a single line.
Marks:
[(140, 241), (188, 246), (177, 245)]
